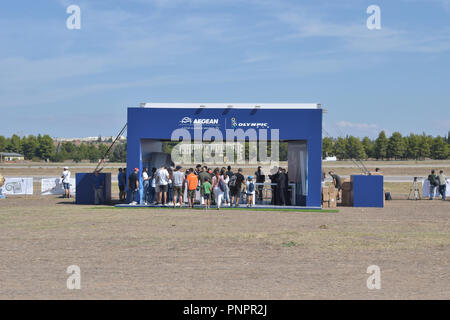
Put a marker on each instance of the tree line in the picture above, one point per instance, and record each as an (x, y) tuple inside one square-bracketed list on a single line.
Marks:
[(43, 147), (396, 147)]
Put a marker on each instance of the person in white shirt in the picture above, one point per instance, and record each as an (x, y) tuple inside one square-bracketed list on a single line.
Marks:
[(163, 178), (146, 184), (66, 182)]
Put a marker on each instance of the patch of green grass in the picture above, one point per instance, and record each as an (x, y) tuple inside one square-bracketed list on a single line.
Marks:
[(223, 208), (289, 244)]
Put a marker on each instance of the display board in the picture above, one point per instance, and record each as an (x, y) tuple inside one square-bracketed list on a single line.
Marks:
[(51, 186), (17, 186), (426, 189)]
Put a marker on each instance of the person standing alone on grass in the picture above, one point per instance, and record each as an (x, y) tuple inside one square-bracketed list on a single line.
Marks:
[(206, 189), (133, 185), (192, 181), (99, 184), (442, 184), (66, 182), (433, 184)]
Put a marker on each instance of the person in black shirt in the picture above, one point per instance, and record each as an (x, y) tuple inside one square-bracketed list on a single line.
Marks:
[(260, 178), (133, 185), (229, 173), (236, 187), (336, 180), (282, 184)]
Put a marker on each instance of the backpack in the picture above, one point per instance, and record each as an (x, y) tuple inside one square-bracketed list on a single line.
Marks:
[(232, 182), (251, 187), (433, 180), (221, 185)]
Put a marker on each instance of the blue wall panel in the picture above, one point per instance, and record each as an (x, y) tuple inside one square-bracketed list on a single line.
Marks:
[(85, 187), (368, 191)]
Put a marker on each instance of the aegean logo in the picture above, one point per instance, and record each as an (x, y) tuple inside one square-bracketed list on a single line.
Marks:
[(188, 121)]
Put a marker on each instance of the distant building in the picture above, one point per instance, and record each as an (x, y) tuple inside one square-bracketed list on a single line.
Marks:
[(11, 156), (89, 139)]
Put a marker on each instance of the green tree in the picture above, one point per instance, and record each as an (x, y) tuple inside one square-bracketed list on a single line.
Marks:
[(327, 147), (30, 147), (413, 147), (368, 147), (93, 153), (46, 147), (381, 144), (425, 146), (119, 153), (354, 148), (396, 146), (439, 149), (3, 144), (15, 144), (340, 148)]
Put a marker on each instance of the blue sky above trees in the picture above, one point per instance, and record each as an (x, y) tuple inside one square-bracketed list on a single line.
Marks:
[(79, 82)]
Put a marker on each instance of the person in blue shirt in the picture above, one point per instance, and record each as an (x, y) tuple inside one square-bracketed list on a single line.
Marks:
[(99, 185), (121, 182)]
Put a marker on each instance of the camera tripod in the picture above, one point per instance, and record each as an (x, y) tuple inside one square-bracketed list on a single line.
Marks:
[(414, 188)]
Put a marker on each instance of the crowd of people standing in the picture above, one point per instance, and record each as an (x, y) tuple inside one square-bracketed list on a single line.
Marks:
[(219, 187)]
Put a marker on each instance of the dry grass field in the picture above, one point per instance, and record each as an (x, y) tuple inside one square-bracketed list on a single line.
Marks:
[(227, 254)]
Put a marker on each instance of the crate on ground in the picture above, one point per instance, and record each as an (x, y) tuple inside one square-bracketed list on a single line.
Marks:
[(329, 196)]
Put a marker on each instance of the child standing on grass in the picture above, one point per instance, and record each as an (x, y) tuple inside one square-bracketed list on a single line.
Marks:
[(206, 188)]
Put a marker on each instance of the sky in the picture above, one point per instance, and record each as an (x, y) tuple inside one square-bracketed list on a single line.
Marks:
[(77, 83)]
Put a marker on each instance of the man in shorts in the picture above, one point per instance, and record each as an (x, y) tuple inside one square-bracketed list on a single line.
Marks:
[(66, 182), (163, 178), (178, 183), (192, 187)]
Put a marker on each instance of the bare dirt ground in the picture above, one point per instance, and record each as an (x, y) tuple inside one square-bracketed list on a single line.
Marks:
[(227, 254)]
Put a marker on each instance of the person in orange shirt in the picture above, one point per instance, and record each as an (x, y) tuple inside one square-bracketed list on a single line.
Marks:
[(192, 181)]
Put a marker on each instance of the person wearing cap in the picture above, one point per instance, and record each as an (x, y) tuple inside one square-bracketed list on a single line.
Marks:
[(133, 185), (178, 183), (66, 182)]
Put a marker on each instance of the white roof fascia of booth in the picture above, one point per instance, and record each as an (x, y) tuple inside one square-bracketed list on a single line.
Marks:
[(233, 105)]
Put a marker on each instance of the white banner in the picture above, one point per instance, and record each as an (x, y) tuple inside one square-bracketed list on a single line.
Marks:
[(17, 186), (51, 186), (426, 189)]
